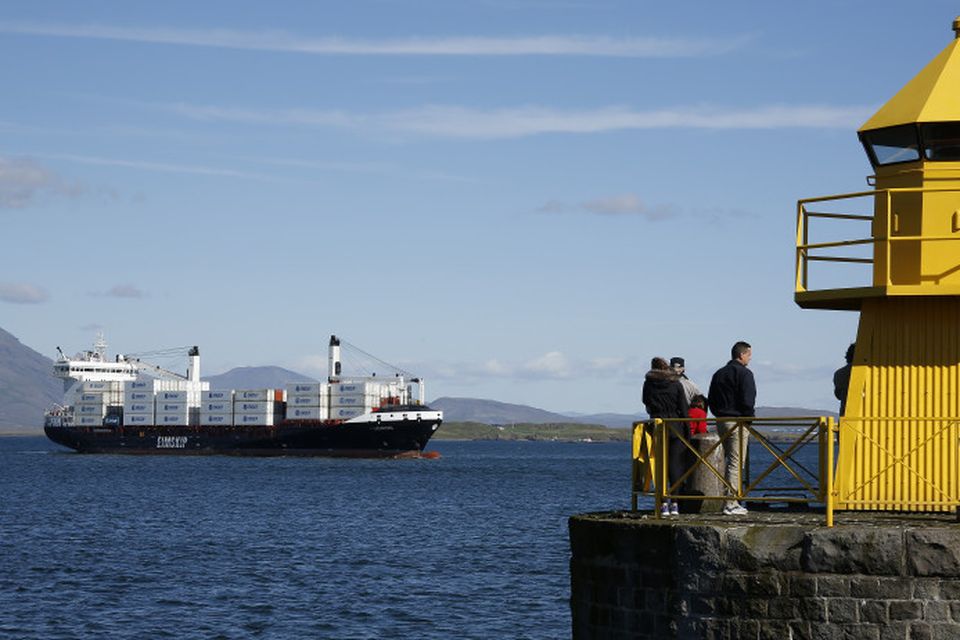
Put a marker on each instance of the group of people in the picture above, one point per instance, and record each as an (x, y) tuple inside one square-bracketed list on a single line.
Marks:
[(669, 393)]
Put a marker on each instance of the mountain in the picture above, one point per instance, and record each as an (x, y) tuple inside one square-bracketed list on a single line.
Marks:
[(27, 386), (256, 378), (493, 412)]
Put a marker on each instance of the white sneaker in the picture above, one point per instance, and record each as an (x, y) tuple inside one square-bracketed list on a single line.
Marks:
[(674, 509), (664, 510), (734, 510)]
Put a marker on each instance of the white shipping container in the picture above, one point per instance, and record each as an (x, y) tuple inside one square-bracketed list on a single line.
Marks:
[(143, 384), (91, 410), (89, 421), (353, 388), (172, 420), (308, 401), (253, 420), (210, 419), (307, 413), (345, 413), (306, 388), (101, 385), (92, 398), (253, 408), (137, 396), (217, 395), (355, 401), (138, 407), (137, 419), (172, 396), (253, 395), (171, 408), (217, 407)]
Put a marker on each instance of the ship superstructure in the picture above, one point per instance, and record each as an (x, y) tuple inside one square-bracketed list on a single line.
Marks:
[(128, 405)]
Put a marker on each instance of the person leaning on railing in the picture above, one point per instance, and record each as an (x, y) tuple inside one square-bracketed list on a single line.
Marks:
[(664, 397), (732, 394)]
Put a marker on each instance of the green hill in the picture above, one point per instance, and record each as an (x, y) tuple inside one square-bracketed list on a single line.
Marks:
[(567, 432)]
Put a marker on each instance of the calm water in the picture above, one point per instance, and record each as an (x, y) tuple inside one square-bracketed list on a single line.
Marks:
[(473, 545)]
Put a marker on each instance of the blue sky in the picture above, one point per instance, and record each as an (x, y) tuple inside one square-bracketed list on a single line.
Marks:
[(519, 200)]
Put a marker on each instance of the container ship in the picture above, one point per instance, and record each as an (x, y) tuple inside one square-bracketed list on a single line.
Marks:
[(129, 406)]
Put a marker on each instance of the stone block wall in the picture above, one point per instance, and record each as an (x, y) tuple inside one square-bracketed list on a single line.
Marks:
[(776, 576)]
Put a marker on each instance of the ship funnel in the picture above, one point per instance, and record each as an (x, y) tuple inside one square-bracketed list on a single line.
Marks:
[(193, 371), (334, 369)]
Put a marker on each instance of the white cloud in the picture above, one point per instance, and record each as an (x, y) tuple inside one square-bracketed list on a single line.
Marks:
[(627, 204), (160, 167), (22, 293), (125, 291), (275, 40), (464, 122)]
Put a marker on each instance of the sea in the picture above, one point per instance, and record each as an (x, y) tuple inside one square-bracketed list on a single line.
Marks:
[(471, 545)]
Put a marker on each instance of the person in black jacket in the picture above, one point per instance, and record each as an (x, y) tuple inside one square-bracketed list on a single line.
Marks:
[(664, 397), (732, 394)]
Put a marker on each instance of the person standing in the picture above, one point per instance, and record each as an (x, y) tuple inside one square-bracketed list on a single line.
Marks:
[(689, 388), (841, 380), (663, 397), (732, 395)]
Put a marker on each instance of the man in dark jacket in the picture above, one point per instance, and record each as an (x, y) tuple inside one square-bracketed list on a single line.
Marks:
[(663, 397), (732, 394)]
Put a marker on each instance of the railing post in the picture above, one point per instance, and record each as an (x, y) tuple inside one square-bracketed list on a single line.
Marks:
[(634, 450), (827, 474), (660, 443)]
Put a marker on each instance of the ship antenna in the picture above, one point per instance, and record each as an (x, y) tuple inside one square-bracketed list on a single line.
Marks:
[(100, 346)]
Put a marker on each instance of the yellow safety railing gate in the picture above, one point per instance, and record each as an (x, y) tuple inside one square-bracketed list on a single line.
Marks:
[(899, 464), (650, 450)]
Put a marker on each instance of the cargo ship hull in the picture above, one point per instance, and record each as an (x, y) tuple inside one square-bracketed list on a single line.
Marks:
[(370, 438)]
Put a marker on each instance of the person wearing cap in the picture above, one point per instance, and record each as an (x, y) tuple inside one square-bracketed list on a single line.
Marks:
[(689, 388)]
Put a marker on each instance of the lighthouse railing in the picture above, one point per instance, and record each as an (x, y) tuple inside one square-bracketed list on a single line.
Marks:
[(884, 233)]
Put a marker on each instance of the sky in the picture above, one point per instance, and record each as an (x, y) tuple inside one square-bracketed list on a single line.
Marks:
[(519, 200)]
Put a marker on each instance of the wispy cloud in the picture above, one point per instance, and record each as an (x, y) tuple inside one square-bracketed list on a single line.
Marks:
[(627, 204), (22, 293), (22, 180), (161, 167), (125, 290), (282, 41), (550, 366), (465, 122)]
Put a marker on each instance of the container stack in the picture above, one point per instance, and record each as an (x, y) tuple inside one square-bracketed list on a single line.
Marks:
[(308, 401), (351, 399), (173, 408), (92, 402), (216, 407), (138, 405), (255, 407)]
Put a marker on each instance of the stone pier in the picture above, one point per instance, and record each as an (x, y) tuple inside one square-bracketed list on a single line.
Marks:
[(766, 575)]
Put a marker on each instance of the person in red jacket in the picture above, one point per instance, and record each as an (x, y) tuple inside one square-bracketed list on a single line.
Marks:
[(698, 414)]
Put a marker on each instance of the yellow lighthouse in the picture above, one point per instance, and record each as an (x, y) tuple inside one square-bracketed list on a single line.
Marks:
[(900, 435)]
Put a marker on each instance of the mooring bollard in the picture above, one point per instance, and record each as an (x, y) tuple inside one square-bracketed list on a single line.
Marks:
[(703, 481)]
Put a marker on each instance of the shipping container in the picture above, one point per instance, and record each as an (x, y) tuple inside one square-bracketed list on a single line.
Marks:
[(89, 421), (345, 413), (217, 407), (91, 410), (254, 395), (137, 396), (101, 385), (306, 389), (308, 401), (307, 413), (254, 420), (137, 419), (172, 396), (217, 395), (210, 419), (171, 408), (253, 408), (172, 420)]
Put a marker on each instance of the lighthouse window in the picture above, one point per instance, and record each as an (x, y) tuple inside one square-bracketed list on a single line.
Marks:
[(941, 140), (895, 144)]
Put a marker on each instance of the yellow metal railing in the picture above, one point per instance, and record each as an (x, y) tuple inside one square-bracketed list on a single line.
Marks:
[(899, 464), (883, 234), (650, 449)]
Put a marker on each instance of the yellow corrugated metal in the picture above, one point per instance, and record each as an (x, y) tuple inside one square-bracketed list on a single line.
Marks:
[(899, 437)]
